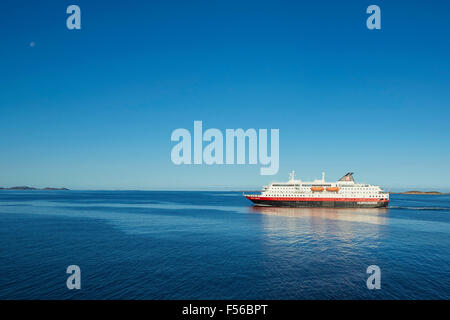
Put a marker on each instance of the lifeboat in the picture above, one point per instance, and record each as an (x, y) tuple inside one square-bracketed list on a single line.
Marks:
[(333, 189), (317, 189)]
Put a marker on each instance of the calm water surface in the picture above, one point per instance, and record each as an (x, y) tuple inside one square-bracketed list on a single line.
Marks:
[(215, 245)]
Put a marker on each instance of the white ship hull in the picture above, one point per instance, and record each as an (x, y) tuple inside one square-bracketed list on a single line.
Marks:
[(344, 193)]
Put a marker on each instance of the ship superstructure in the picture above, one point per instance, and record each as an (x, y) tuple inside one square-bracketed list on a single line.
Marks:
[(319, 193)]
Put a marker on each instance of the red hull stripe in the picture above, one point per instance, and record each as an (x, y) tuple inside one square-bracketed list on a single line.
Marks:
[(316, 199)]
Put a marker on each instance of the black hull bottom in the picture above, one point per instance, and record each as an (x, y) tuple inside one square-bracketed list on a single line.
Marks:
[(320, 204)]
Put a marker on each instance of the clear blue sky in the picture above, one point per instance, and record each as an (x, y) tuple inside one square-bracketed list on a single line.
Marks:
[(95, 108)]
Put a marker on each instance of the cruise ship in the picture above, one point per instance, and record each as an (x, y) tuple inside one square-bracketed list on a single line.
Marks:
[(345, 193)]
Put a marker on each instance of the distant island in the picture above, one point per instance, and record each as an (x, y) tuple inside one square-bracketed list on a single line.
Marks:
[(31, 188), (422, 192)]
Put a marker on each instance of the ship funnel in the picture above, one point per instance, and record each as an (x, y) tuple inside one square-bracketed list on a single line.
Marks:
[(347, 177), (323, 176)]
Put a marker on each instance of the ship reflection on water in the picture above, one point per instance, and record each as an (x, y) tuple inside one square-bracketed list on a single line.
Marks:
[(323, 247), (324, 229), (369, 215), (363, 215)]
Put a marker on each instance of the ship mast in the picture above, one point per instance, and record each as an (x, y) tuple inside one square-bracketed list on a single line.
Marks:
[(292, 176)]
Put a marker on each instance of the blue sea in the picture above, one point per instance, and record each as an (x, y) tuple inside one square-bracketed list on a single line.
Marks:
[(216, 245)]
